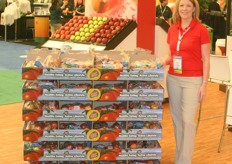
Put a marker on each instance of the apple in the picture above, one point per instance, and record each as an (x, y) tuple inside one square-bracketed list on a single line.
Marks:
[(81, 29), (100, 23), (98, 40), (122, 24), (87, 34), (104, 40), (62, 28), (107, 31), (91, 30), (93, 39), (116, 23), (106, 26), (57, 36), (66, 28), (72, 32), (103, 35), (67, 32), (88, 39), (114, 32), (70, 24), (62, 32), (118, 28), (104, 18), (67, 37), (85, 21), (58, 31), (72, 37), (82, 33), (77, 38), (102, 31), (94, 18), (112, 27), (95, 22), (96, 26), (97, 35), (109, 36), (91, 26), (77, 33), (62, 36), (76, 29), (72, 28), (83, 38), (90, 22), (85, 25), (81, 25), (86, 30)]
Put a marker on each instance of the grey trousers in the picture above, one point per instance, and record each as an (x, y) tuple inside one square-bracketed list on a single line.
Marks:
[(183, 99)]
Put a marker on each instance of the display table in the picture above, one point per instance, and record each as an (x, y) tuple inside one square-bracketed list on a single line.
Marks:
[(41, 28)]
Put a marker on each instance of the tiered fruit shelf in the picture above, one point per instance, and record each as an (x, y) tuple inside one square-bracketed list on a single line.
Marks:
[(91, 115), (101, 31)]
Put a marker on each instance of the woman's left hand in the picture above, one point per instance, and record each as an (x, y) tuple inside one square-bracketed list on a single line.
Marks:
[(202, 92)]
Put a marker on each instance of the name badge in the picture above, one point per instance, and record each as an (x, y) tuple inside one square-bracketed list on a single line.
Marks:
[(177, 64)]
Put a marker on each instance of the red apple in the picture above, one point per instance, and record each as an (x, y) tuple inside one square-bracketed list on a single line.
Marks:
[(67, 37), (66, 28), (58, 31), (109, 36), (114, 32), (67, 32), (57, 36), (98, 40), (88, 39), (104, 40), (93, 39)]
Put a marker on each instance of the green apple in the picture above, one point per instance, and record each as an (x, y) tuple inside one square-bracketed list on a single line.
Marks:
[(77, 38), (82, 33), (90, 22), (72, 37), (77, 33), (95, 26), (94, 18), (91, 30), (87, 34), (85, 25), (82, 38), (95, 22), (104, 19), (100, 23), (99, 18), (91, 26), (86, 30), (81, 29)]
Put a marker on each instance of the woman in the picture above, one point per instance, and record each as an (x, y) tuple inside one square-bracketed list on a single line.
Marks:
[(189, 56), (79, 8), (55, 14)]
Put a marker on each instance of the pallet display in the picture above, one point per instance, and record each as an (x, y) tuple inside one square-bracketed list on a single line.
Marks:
[(98, 107)]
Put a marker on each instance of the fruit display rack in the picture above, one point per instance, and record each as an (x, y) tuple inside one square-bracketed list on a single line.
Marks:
[(107, 111), (101, 31)]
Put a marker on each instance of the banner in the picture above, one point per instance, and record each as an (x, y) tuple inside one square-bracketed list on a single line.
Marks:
[(112, 8)]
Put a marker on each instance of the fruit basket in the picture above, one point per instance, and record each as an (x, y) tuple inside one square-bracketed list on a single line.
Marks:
[(100, 31)]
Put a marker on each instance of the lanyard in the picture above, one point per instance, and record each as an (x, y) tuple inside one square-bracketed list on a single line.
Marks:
[(180, 37), (162, 11)]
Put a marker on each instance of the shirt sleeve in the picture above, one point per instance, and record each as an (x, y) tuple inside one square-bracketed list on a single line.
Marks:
[(205, 37)]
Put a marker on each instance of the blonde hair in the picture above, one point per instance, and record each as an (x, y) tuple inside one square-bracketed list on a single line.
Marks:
[(176, 15)]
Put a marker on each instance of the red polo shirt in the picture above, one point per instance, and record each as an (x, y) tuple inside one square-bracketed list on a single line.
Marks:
[(190, 47)]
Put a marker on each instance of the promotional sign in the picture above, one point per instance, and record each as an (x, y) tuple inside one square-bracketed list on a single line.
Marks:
[(112, 8)]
